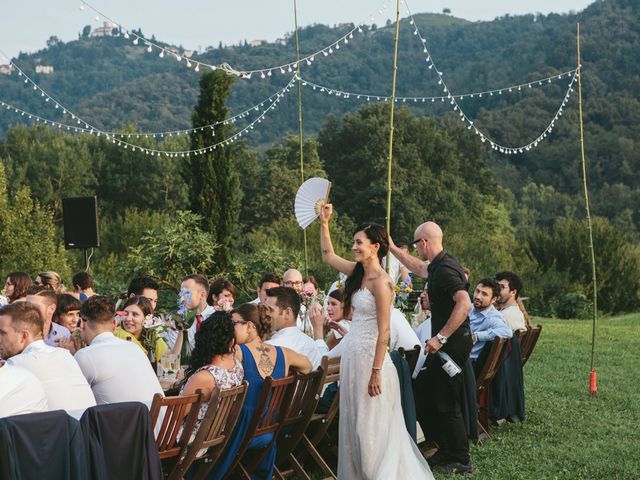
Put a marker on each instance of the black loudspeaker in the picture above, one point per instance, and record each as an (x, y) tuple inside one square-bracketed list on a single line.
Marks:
[(80, 222)]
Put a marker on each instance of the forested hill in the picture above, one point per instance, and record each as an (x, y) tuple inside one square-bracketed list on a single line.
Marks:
[(111, 82)]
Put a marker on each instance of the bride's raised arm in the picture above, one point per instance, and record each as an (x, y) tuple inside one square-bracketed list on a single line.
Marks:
[(328, 255)]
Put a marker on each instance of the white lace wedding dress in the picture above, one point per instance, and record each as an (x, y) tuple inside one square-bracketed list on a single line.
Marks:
[(373, 441)]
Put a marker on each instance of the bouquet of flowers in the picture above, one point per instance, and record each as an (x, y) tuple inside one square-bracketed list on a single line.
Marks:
[(224, 305), (184, 318), (153, 326), (402, 290), (310, 297)]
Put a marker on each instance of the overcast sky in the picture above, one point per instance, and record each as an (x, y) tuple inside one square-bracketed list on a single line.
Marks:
[(25, 25)]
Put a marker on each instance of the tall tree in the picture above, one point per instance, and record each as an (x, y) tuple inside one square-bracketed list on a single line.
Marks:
[(215, 185)]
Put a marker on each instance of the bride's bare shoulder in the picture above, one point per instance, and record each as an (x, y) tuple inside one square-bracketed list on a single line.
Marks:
[(382, 282)]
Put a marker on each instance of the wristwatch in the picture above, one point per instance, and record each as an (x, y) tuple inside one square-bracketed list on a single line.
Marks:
[(441, 338)]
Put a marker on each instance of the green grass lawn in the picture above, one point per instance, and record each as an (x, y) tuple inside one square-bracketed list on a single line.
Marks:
[(567, 434)]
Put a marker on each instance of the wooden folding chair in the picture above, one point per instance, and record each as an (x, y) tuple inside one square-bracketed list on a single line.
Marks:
[(520, 335), (214, 432), (524, 342), (534, 335), (275, 395), (171, 413), (411, 356), (483, 381), (295, 421), (317, 430)]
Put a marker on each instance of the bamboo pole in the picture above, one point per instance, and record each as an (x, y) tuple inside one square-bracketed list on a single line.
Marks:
[(592, 379), (391, 129), (304, 231)]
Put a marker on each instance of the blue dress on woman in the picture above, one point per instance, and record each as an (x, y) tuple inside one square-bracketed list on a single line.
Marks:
[(251, 375)]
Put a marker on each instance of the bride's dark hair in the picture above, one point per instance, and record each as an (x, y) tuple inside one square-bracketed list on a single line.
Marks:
[(376, 234)]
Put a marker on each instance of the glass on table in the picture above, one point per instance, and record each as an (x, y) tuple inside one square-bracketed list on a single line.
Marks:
[(169, 364)]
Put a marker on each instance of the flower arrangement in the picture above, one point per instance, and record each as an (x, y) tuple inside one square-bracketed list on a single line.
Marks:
[(153, 326), (185, 317), (309, 297), (402, 291), (224, 304)]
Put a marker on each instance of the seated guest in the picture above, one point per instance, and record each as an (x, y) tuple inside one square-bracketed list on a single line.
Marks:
[(194, 290), (222, 294), (507, 302), (117, 370), (259, 360), (22, 344), (268, 280), (485, 321), (45, 300), (213, 361), (132, 328), (16, 286), (310, 286), (145, 287), (83, 285), (335, 318), (285, 304), (292, 278), (50, 280), (67, 312), (20, 391)]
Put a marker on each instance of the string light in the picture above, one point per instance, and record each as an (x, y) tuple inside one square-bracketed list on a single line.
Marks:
[(499, 91), (229, 120), (470, 124), (246, 74), (151, 151), (88, 128)]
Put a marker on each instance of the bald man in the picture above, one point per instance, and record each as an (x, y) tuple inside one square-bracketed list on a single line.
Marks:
[(438, 396), (292, 278)]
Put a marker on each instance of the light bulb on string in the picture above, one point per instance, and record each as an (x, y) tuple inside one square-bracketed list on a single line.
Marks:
[(135, 41), (161, 55), (149, 49)]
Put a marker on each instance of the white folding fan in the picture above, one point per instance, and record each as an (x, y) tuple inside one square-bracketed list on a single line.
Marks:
[(309, 200)]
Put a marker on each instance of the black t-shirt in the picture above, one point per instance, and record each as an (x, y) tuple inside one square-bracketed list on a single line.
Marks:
[(446, 277)]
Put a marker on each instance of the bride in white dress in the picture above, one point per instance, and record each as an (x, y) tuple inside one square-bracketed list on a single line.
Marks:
[(373, 440)]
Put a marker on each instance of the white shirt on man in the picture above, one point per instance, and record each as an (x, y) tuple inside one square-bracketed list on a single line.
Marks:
[(293, 338), (20, 392), (62, 380), (424, 334), (514, 317), (56, 333), (170, 336), (401, 333), (117, 370)]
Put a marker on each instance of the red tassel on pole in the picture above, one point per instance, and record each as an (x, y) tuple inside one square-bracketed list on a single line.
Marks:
[(593, 385)]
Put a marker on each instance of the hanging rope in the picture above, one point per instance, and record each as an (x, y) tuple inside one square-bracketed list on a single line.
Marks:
[(304, 231), (393, 104), (593, 388)]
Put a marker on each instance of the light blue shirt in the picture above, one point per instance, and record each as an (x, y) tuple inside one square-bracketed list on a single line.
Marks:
[(487, 324)]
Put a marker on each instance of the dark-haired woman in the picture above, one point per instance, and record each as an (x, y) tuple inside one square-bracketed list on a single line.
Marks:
[(335, 315), (213, 362), (373, 440), (137, 309), (259, 360), (16, 286)]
